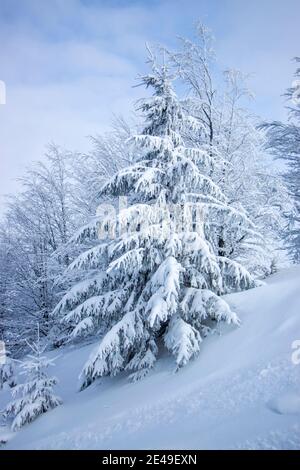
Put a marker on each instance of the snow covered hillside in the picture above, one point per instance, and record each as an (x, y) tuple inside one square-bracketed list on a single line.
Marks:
[(243, 391)]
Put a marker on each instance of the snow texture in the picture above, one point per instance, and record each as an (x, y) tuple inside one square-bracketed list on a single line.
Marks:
[(242, 392)]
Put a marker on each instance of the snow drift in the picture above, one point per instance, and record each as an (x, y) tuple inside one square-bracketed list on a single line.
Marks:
[(242, 391)]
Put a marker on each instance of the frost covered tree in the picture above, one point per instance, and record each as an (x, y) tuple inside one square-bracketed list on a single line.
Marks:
[(284, 143), (7, 290), (35, 396), (156, 278), (37, 222), (57, 196), (7, 374), (109, 153), (229, 130), (248, 176)]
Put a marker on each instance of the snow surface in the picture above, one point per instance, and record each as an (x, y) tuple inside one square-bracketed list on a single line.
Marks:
[(243, 390)]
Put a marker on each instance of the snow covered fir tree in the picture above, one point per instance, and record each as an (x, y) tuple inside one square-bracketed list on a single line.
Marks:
[(156, 278), (35, 396)]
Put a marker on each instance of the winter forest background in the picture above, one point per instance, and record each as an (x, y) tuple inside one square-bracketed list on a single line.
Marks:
[(132, 245)]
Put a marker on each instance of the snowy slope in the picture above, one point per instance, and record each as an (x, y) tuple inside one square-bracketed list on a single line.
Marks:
[(243, 391)]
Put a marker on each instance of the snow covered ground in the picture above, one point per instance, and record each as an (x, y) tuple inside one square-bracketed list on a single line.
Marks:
[(243, 391)]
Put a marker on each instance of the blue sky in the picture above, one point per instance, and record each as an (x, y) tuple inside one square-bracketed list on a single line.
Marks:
[(69, 65)]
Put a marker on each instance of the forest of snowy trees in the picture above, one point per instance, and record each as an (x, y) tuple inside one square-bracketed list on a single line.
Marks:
[(133, 244)]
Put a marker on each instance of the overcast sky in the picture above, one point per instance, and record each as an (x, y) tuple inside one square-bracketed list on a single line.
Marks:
[(69, 64)]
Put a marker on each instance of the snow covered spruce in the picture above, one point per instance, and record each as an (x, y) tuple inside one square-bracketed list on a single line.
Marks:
[(35, 396), (157, 277)]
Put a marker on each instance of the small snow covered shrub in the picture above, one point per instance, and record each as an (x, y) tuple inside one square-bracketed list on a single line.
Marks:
[(159, 280), (35, 396)]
